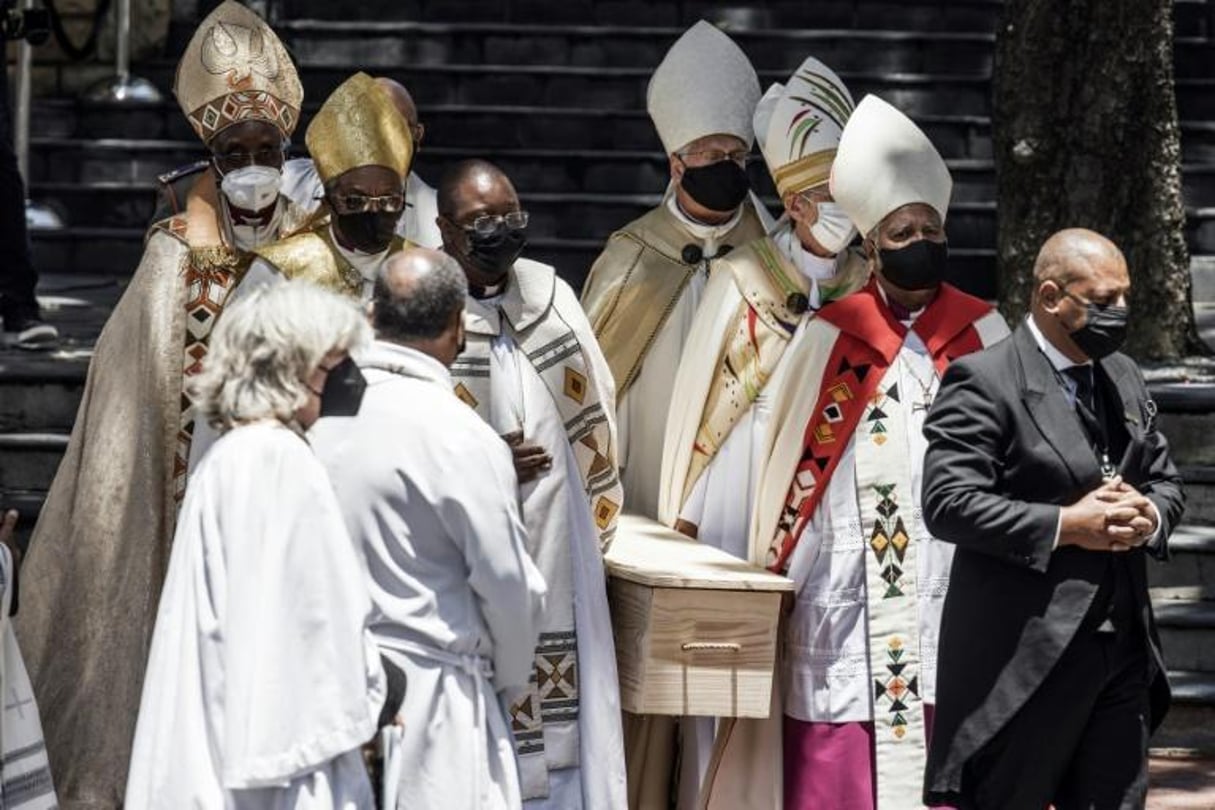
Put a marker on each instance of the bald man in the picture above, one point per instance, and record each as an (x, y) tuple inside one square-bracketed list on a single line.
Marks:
[(533, 370), (430, 493), (1046, 470), (418, 222)]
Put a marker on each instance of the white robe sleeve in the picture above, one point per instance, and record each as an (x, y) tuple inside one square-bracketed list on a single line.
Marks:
[(481, 515), (303, 677)]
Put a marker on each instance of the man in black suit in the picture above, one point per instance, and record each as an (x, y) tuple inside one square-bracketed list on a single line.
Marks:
[(1045, 469)]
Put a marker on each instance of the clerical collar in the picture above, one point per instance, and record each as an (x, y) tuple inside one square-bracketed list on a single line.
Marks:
[(1058, 359), (486, 293), (246, 233), (368, 264), (900, 312), (708, 235), (813, 267)]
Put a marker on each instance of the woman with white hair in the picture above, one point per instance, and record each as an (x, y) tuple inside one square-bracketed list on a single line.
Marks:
[(263, 682)]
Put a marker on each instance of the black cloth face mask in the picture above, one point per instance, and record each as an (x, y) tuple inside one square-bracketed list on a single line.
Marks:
[(918, 266), (720, 186), (495, 254), (370, 231), (343, 391), (1103, 332)]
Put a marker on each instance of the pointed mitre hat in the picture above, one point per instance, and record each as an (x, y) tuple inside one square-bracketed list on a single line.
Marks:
[(798, 126), (359, 126), (705, 85), (235, 69), (884, 162)]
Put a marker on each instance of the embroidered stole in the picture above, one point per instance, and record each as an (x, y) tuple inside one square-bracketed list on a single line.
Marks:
[(892, 537), (755, 341), (211, 271), (554, 351)]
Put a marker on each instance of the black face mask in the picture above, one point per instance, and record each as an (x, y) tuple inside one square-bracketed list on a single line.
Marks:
[(919, 266), (370, 231), (1104, 331), (494, 255), (720, 186), (343, 391)]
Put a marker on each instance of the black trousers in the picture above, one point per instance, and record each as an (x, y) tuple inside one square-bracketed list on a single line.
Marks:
[(1080, 742), (17, 276)]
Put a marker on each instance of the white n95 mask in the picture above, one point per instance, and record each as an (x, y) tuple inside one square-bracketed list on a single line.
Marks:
[(833, 229)]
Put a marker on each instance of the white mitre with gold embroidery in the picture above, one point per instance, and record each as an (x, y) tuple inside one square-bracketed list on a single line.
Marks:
[(705, 85), (799, 124), (884, 162), (235, 69)]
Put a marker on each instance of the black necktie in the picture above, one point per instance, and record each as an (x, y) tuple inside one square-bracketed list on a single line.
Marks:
[(1083, 377)]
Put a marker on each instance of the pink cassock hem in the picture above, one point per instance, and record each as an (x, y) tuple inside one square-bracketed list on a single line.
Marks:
[(831, 764)]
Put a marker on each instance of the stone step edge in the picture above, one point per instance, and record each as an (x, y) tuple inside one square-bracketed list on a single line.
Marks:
[(41, 440), (340, 28), (1185, 614)]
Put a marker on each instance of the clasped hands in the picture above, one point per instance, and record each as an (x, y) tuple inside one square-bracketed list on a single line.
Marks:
[(1113, 517)]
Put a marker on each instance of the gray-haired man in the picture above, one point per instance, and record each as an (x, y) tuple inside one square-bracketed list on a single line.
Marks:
[(430, 491)]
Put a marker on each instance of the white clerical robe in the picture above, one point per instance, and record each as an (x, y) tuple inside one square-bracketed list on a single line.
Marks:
[(263, 680), (430, 491), (584, 761), (419, 221)]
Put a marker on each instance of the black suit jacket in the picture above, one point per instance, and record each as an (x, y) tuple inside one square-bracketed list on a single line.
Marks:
[(1006, 450)]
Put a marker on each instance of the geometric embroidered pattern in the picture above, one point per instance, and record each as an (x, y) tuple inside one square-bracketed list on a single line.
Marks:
[(464, 395), (210, 275), (895, 687), (557, 677), (243, 105), (889, 540), (575, 385)]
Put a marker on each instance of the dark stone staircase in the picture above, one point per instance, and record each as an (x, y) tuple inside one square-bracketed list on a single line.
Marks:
[(554, 91)]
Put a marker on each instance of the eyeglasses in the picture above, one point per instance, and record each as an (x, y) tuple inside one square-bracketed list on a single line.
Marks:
[(231, 161), (363, 203), (705, 157), (490, 224)]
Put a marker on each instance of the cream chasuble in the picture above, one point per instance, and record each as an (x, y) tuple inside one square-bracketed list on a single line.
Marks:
[(530, 362)]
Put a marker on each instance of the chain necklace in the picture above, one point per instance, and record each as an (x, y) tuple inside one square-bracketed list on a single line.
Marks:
[(926, 392)]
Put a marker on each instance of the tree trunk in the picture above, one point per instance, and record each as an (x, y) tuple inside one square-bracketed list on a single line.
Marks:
[(1084, 121)]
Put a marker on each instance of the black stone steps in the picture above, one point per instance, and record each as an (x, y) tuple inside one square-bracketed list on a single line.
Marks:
[(30, 459)]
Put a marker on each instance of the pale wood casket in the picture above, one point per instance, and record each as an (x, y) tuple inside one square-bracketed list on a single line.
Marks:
[(695, 627)]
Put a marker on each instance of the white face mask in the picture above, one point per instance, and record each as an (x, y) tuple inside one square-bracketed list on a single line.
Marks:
[(833, 230), (252, 188)]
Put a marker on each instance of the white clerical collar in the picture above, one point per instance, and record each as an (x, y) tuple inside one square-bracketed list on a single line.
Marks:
[(368, 264), (1058, 359), (246, 237), (709, 235), (810, 265)]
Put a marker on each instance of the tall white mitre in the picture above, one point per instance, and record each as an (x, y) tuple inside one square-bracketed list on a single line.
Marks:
[(884, 162), (799, 124), (705, 85)]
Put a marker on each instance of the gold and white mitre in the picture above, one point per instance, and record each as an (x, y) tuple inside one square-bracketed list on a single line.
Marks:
[(236, 69), (884, 162), (799, 124), (705, 85), (359, 126)]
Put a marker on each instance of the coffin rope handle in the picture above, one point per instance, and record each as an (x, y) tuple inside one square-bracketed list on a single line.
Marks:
[(711, 646)]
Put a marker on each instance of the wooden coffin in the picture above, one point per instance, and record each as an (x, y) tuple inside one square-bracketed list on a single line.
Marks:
[(695, 628)]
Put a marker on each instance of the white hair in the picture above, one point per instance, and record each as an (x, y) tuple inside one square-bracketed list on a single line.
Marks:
[(265, 347)]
